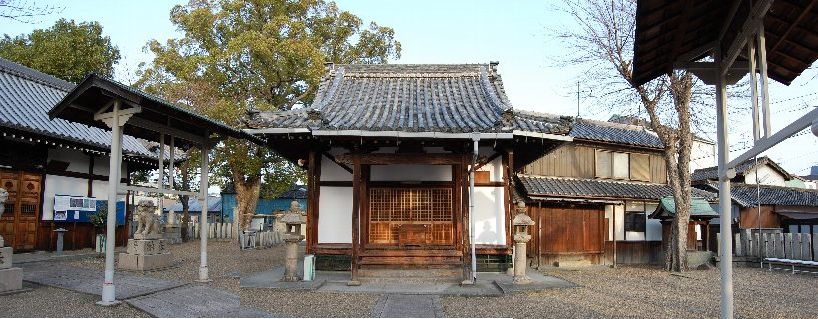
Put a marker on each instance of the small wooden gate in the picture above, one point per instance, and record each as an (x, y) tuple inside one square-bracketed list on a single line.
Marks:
[(411, 216), (18, 226)]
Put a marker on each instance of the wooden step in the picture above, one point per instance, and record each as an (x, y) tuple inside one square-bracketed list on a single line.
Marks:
[(419, 261), (411, 253), (435, 274)]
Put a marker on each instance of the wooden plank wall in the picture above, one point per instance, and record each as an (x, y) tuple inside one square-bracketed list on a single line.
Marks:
[(567, 232), (579, 161), (748, 218)]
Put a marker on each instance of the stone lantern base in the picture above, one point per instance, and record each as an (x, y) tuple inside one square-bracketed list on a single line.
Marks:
[(11, 278)]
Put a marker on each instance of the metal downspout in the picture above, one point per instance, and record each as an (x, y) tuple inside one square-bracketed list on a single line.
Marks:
[(476, 139)]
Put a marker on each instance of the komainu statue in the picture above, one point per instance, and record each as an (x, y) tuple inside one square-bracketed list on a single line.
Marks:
[(149, 225)]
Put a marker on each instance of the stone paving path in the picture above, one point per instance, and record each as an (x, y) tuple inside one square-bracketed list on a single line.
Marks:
[(408, 306), (159, 298)]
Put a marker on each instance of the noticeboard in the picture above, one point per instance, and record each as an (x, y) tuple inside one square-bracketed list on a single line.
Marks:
[(69, 208)]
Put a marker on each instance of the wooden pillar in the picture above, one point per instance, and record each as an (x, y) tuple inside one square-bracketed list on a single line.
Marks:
[(464, 225), (508, 172), (312, 184), (356, 205), (90, 192)]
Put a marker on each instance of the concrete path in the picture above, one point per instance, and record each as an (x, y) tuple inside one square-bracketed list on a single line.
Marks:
[(159, 298), (90, 281), (194, 301), (408, 306)]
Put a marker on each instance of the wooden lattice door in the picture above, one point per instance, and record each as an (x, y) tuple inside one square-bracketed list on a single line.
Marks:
[(18, 226), (411, 216)]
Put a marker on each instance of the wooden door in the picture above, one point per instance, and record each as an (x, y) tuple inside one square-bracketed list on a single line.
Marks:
[(18, 226), (411, 216)]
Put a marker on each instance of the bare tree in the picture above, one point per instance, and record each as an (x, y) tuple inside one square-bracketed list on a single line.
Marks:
[(25, 11), (602, 39)]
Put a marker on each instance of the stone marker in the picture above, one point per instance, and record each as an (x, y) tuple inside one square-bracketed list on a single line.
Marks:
[(60, 240), (173, 233), (147, 250), (11, 278)]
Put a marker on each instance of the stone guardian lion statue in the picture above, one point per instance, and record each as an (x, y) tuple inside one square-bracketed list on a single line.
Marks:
[(148, 225)]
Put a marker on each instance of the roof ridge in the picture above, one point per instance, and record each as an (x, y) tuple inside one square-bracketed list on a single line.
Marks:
[(614, 124), (30, 74), (592, 179)]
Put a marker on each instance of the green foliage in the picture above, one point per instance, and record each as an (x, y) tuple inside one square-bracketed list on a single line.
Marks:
[(67, 50), (100, 218), (262, 54)]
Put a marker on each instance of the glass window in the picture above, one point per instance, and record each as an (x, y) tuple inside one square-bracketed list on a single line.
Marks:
[(603, 164), (621, 166), (640, 167), (635, 217)]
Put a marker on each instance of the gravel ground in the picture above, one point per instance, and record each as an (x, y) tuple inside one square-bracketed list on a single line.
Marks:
[(645, 292), (44, 301), (225, 261)]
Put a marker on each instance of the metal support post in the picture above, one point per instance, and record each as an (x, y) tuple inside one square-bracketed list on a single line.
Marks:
[(725, 226), (204, 229), (114, 167)]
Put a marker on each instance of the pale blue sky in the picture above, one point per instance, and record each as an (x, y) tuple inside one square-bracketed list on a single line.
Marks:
[(515, 33)]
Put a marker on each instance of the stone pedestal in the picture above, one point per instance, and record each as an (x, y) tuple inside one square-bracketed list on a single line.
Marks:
[(145, 254), (291, 263), (173, 234), (10, 278)]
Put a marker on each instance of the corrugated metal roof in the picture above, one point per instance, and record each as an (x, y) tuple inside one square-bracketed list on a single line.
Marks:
[(214, 204), (26, 96), (451, 98), (596, 188)]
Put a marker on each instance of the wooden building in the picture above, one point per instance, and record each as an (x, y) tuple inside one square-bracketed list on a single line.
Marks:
[(762, 198), (591, 198), (41, 158), (388, 149)]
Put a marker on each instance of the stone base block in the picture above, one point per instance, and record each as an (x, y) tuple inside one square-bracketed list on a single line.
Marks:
[(11, 279), (5, 257), (146, 246), (144, 262), (173, 234)]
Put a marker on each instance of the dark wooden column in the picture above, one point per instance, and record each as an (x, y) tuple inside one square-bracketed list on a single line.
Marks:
[(508, 179), (313, 189), (356, 211), (464, 204)]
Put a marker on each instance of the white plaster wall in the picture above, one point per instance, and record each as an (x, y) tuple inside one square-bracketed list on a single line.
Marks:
[(335, 215), (653, 228), (702, 155), (489, 216), (495, 169), (411, 172), (810, 185), (61, 185), (333, 172), (766, 176)]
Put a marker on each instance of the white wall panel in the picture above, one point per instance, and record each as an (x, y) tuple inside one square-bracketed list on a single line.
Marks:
[(411, 172), (489, 216), (335, 215), (333, 172)]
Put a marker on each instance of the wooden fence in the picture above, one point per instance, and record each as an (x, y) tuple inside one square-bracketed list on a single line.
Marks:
[(799, 246)]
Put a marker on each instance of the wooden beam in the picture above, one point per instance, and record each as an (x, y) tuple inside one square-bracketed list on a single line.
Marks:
[(749, 27), (793, 24), (334, 160), (385, 159)]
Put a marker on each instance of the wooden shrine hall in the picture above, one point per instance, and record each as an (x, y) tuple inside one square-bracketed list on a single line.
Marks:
[(389, 151)]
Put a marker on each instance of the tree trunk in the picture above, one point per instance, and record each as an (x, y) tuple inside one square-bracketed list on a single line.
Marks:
[(247, 193), (185, 204)]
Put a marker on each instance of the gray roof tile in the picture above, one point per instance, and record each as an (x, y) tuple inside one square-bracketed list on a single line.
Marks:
[(457, 98), (712, 173), (596, 188), (26, 96), (602, 131), (747, 195)]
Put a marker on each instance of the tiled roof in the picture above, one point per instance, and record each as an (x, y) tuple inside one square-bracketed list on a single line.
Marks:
[(26, 96), (712, 173), (451, 98), (602, 131), (746, 195), (699, 208), (597, 188)]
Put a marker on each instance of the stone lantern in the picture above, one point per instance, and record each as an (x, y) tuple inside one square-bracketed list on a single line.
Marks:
[(521, 223), (293, 219)]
